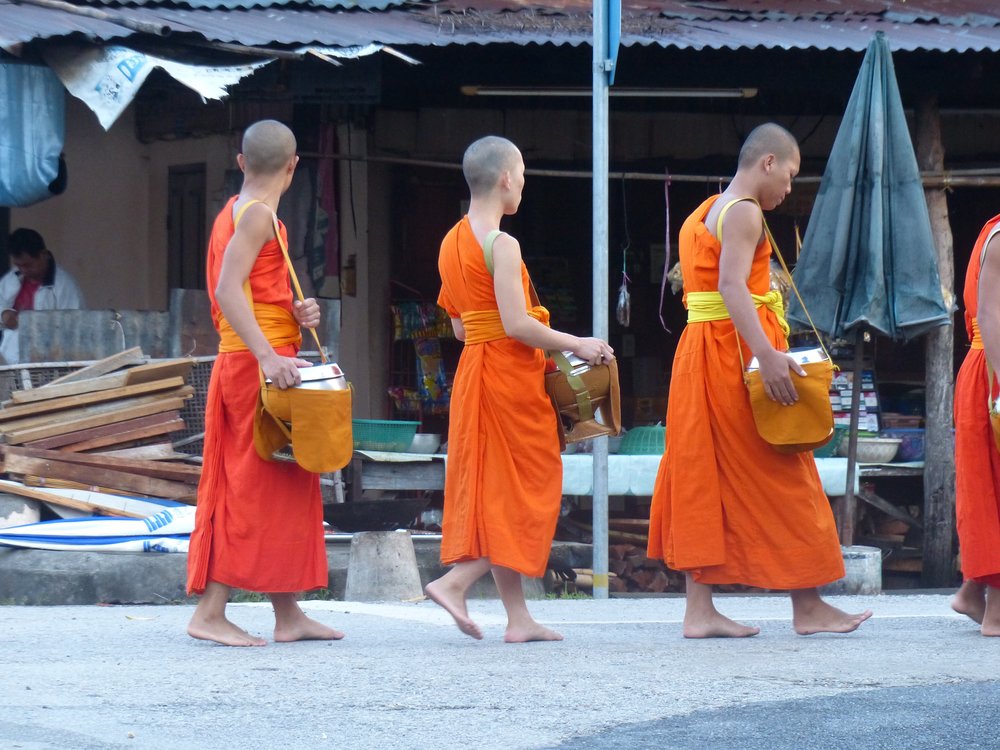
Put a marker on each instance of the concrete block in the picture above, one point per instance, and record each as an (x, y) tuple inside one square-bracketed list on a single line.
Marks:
[(863, 566), (44, 577), (382, 567)]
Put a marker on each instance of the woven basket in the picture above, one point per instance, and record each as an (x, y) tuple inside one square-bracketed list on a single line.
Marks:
[(383, 434), (644, 441)]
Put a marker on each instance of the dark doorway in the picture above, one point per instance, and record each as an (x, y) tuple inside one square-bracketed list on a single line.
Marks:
[(186, 227)]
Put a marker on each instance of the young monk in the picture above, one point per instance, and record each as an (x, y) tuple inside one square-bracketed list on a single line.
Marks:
[(259, 524), (503, 483), (977, 461), (726, 507)]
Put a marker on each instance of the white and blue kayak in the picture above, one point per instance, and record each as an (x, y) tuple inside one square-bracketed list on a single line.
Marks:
[(165, 531)]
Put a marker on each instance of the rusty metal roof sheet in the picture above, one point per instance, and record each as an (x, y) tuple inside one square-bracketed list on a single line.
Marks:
[(941, 25), (248, 4)]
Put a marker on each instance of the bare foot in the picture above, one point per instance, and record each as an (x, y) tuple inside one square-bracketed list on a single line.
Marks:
[(970, 600), (821, 617), (531, 631), (716, 625), (991, 629), (305, 629), (222, 631), (454, 604)]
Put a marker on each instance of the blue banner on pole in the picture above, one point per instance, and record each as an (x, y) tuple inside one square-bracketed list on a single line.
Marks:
[(614, 36)]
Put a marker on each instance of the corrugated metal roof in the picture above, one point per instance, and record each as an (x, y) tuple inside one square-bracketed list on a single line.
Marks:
[(247, 4), (942, 25)]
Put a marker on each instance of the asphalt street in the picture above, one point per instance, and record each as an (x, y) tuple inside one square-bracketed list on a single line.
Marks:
[(94, 677)]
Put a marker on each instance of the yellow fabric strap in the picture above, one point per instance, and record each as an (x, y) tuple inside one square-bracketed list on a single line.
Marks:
[(485, 325), (276, 323), (708, 306), (977, 338)]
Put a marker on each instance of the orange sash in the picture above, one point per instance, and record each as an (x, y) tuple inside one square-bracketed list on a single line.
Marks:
[(482, 326)]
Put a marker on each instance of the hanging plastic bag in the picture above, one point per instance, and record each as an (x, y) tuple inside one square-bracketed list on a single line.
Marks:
[(623, 311)]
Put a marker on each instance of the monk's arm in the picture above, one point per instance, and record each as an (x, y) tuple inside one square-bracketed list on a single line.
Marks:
[(741, 233), (254, 230), (516, 321), (988, 314), (458, 327)]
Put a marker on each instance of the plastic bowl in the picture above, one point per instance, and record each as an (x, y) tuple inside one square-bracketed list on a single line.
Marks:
[(425, 442), (877, 450)]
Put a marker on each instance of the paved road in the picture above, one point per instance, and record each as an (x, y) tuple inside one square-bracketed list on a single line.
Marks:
[(96, 677)]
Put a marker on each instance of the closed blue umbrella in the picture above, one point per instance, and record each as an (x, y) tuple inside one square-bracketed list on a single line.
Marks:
[(868, 259)]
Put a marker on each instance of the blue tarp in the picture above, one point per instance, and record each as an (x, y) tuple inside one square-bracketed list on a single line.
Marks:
[(32, 128)]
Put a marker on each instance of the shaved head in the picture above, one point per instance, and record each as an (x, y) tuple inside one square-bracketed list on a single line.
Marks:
[(267, 147), (486, 160), (765, 139)]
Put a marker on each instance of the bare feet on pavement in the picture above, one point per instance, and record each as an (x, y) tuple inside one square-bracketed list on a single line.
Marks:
[(970, 600), (716, 625), (222, 631), (306, 629), (453, 603), (824, 618), (532, 631)]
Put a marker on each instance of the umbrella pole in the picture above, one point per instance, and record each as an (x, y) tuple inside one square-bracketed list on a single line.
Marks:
[(850, 502)]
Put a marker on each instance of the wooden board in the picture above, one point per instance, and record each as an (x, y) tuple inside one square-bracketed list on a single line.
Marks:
[(30, 395), (100, 477), (154, 452), (133, 356), (167, 368), (58, 441), (635, 525), (85, 399), (152, 406), (159, 469), (48, 497), (128, 436), (89, 410)]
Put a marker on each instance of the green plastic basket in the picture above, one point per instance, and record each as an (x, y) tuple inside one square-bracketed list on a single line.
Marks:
[(383, 434), (641, 441)]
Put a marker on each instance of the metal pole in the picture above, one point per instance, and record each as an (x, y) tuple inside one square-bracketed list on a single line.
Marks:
[(600, 278), (849, 504)]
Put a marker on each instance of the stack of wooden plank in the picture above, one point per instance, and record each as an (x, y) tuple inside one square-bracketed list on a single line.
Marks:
[(105, 426)]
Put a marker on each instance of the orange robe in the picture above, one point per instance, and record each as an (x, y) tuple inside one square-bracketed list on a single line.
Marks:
[(503, 481), (259, 524), (977, 461), (727, 507)]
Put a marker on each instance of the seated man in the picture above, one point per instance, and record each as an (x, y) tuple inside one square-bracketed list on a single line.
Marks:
[(34, 283)]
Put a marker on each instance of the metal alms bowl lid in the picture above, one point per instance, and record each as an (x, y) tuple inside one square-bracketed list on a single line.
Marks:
[(321, 372), (322, 377), (804, 356)]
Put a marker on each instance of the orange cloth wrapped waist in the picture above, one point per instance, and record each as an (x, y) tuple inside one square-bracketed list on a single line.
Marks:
[(276, 322), (977, 339), (485, 325)]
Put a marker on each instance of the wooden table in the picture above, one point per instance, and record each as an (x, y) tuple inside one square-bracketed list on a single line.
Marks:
[(627, 475), (400, 472)]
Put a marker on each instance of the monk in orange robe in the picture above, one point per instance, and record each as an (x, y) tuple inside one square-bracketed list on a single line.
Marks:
[(259, 524), (727, 507), (977, 461), (503, 482)]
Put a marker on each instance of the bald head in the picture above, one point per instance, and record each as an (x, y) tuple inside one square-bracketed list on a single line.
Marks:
[(765, 139), (486, 160), (267, 147)]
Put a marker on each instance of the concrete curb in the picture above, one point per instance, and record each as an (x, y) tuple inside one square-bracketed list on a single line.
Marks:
[(43, 577)]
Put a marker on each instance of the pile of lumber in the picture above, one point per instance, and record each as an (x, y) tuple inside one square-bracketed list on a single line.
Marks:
[(631, 571), (103, 427)]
